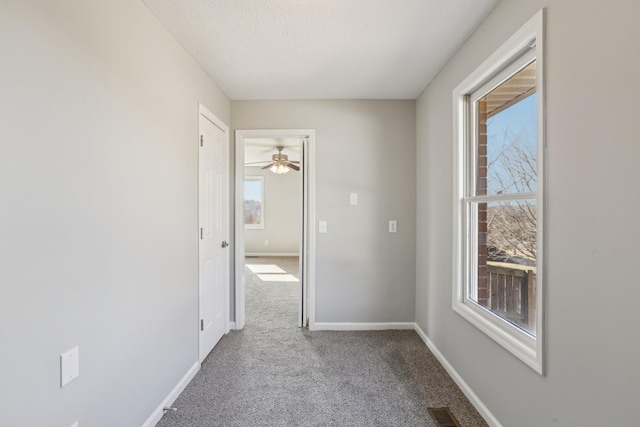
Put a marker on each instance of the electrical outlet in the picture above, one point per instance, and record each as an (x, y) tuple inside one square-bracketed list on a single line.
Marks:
[(322, 227), (353, 199), (266, 243), (393, 226)]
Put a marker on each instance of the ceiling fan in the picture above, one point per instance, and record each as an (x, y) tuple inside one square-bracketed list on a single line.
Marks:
[(279, 163)]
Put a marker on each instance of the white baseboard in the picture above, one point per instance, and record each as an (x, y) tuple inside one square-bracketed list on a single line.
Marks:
[(473, 398), (272, 254), (348, 326), (173, 395)]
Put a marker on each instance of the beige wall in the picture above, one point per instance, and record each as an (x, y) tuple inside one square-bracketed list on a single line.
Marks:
[(282, 212), (364, 274), (98, 177), (593, 98)]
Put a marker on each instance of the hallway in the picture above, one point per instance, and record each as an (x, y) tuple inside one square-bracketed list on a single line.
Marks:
[(274, 374)]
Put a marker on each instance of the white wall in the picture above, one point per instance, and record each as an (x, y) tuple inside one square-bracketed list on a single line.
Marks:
[(593, 100), (282, 211), (364, 274), (98, 185)]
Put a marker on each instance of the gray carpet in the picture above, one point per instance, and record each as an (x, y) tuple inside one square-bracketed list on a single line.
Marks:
[(275, 374)]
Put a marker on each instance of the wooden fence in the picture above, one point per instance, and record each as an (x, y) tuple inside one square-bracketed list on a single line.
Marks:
[(512, 293)]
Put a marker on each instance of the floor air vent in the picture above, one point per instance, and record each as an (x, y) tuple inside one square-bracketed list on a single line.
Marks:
[(443, 417)]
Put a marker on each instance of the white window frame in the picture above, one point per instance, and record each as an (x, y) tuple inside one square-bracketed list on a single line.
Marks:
[(525, 44), (259, 226)]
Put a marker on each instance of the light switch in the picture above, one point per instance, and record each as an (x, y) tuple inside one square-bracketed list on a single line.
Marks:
[(69, 366), (393, 226), (353, 199), (322, 227)]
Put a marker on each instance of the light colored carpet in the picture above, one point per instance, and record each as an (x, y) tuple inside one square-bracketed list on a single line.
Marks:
[(275, 374)]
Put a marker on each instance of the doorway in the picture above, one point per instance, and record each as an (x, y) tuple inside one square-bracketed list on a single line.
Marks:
[(304, 139)]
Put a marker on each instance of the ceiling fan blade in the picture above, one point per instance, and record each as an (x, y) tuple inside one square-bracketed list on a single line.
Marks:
[(255, 163), (292, 166), (293, 161), (269, 165)]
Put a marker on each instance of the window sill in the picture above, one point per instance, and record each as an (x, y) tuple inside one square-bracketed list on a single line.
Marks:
[(518, 342)]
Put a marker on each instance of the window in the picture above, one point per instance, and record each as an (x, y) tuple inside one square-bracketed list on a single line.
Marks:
[(498, 112), (254, 202)]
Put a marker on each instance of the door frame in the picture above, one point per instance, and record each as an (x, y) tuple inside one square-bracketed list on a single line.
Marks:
[(204, 112), (308, 219)]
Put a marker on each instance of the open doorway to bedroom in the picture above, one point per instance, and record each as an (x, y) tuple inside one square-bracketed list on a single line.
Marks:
[(274, 194)]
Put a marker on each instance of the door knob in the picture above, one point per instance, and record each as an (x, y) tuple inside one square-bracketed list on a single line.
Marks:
[(225, 244)]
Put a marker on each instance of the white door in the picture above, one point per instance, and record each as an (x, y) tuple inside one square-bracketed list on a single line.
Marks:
[(303, 316), (213, 171)]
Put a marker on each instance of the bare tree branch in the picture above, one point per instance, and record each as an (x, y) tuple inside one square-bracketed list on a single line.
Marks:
[(512, 225)]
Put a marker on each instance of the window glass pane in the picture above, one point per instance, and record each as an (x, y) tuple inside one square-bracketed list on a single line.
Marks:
[(253, 202), (507, 136), (506, 260)]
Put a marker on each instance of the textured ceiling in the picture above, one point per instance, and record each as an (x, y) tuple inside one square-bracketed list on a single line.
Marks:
[(321, 49)]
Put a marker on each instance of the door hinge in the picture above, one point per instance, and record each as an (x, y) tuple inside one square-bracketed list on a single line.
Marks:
[(201, 140), (201, 233), (202, 324)]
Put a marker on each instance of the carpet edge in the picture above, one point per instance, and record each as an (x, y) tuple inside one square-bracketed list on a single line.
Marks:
[(468, 392), (156, 415)]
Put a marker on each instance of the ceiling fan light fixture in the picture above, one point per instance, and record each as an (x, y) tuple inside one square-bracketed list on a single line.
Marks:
[(279, 168)]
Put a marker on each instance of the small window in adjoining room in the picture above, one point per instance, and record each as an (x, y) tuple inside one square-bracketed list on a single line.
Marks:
[(498, 111), (253, 202)]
